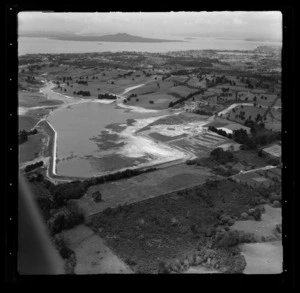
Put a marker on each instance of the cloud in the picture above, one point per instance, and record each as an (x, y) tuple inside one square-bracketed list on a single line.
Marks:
[(156, 23)]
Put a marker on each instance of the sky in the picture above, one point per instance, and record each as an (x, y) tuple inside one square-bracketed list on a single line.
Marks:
[(267, 24)]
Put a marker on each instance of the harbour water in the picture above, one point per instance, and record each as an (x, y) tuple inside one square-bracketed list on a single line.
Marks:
[(34, 45)]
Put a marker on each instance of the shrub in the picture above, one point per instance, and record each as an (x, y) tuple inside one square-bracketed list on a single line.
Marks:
[(23, 136), (226, 239), (196, 161), (229, 238), (225, 219), (221, 156), (190, 162), (65, 218), (278, 228), (33, 166), (108, 211), (97, 197), (275, 197), (60, 244), (257, 214), (130, 261), (244, 216), (107, 96), (163, 268)]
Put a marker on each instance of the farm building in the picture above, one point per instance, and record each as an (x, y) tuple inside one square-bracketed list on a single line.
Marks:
[(229, 128)]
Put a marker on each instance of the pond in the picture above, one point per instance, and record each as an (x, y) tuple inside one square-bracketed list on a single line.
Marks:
[(85, 147)]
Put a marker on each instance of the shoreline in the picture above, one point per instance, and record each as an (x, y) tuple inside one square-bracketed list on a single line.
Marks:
[(50, 131)]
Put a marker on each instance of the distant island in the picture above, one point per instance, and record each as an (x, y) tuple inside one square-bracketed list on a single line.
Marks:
[(121, 37), (261, 40)]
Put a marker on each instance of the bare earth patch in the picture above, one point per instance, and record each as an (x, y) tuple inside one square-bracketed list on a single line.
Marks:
[(200, 270), (142, 187), (263, 258), (265, 227)]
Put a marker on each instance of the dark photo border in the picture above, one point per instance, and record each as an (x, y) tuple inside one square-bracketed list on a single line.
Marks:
[(285, 280)]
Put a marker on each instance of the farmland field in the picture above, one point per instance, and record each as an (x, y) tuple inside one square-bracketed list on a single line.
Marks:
[(250, 111), (183, 91), (143, 186), (178, 78), (31, 149), (160, 101), (33, 99), (26, 122), (195, 82), (274, 120), (29, 120), (164, 138)]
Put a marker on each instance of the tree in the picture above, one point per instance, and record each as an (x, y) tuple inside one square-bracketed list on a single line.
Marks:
[(240, 136), (221, 156), (23, 136), (97, 196), (33, 166)]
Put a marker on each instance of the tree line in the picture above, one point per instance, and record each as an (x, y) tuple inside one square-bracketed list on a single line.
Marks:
[(55, 201), (107, 96), (179, 101), (259, 136), (33, 166), (82, 82), (82, 93), (76, 189), (23, 135)]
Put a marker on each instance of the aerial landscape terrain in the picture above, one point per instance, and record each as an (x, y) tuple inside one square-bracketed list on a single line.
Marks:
[(155, 162)]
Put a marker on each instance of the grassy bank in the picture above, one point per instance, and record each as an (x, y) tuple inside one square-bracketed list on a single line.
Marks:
[(32, 148), (27, 122), (34, 99)]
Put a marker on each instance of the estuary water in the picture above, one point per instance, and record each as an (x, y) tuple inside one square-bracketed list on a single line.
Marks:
[(34, 45)]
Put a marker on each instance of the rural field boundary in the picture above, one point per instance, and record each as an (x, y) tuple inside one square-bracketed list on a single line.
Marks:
[(90, 217), (184, 189)]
